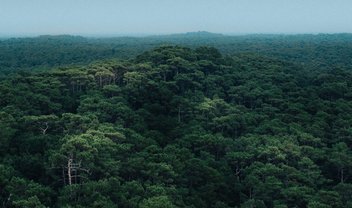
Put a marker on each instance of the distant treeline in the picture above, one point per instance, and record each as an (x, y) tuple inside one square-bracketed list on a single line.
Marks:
[(44, 52)]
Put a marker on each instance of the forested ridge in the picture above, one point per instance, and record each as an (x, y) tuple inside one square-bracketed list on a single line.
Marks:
[(180, 127)]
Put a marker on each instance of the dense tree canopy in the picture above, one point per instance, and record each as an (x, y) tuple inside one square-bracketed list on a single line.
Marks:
[(324, 51), (178, 127)]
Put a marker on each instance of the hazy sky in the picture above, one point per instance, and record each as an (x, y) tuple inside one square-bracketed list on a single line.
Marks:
[(123, 17)]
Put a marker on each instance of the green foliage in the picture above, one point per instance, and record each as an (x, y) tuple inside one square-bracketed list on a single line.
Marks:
[(157, 202), (179, 127)]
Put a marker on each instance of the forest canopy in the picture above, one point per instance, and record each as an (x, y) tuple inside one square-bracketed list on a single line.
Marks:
[(178, 126), (45, 52)]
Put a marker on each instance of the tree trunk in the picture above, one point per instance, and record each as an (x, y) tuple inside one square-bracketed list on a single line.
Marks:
[(179, 114), (69, 163), (342, 176)]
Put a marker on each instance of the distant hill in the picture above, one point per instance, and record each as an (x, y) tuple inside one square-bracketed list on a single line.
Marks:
[(200, 34)]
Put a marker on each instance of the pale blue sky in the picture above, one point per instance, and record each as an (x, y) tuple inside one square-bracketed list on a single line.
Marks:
[(124, 17)]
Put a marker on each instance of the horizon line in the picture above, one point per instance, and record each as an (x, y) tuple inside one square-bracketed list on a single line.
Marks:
[(142, 35)]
